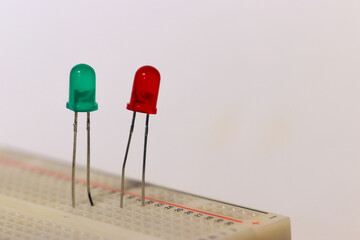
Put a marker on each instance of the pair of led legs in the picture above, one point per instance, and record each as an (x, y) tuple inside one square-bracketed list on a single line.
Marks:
[(144, 161), (74, 160), (124, 163)]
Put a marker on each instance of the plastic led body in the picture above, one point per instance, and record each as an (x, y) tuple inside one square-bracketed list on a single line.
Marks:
[(145, 90), (82, 89)]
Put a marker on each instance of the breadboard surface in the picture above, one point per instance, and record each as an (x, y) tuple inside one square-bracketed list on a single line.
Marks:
[(35, 203)]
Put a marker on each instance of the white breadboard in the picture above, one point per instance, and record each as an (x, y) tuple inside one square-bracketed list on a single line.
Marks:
[(35, 203)]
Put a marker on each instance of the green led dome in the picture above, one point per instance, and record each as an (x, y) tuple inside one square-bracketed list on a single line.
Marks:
[(82, 89)]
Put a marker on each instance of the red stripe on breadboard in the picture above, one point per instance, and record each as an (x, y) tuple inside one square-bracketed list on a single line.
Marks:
[(47, 172)]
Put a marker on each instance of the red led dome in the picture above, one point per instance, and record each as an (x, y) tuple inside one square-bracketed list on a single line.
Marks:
[(145, 90)]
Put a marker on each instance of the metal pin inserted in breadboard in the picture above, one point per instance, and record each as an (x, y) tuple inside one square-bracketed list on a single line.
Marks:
[(35, 204)]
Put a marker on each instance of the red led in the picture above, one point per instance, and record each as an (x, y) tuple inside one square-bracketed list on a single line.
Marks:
[(145, 90)]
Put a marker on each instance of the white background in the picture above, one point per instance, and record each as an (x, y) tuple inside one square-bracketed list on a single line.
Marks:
[(259, 102)]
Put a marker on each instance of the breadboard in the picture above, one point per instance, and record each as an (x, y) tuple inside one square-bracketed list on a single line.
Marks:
[(35, 203)]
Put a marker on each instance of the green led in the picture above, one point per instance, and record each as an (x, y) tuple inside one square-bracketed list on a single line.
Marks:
[(82, 89)]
